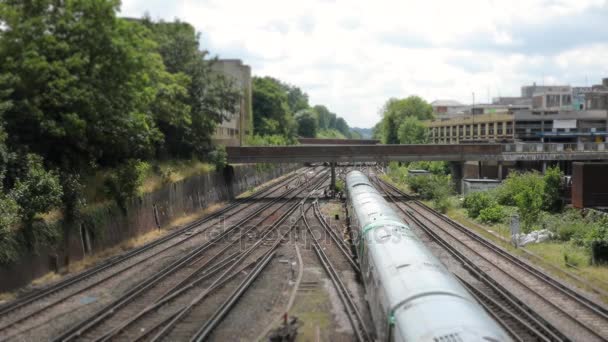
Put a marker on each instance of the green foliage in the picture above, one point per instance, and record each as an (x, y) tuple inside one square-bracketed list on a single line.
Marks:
[(412, 131), (269, 140), (327, 119), (435, 167), (477, 201), (83, 81), (492, 214), (73, 194), (552, 179), (297, 100), (330, 134), (529, 199), (219, 157), (38, 191), (9, 219), (271, 114), (394, 115), (430, 187), (340, 185), (307, 123), (124, 182), (188, 110)]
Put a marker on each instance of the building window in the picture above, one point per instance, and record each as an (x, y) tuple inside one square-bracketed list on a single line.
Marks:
[(566, 100), (552, 101)]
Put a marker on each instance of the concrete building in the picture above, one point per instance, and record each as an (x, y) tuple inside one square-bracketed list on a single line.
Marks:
[(446, 108), (530, 90), (561, 126), (513, 102), (234, 131), (596, 98), (472, 128)]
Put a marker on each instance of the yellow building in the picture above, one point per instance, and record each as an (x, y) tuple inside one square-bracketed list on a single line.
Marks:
[(472, 128)]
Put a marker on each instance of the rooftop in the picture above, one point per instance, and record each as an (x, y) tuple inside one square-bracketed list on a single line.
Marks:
[(447, 103)]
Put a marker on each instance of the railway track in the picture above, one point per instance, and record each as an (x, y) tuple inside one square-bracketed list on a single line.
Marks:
[(17, 316), (362, 333), (536, 304), (185, 322), (174, 285)]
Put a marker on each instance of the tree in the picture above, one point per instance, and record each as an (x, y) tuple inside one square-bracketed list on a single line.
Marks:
[(395, 112), (270, 109), (529, 199), (552, 179), (412, 131), (198, 99), (297, 100), (327, 119), (342, 127), (307, 123), (83, 81)]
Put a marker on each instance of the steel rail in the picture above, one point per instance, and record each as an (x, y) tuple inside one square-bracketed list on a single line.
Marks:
[(353, 313), (59, 286), (147, 283), (549, 328), (223, 310), (481, 275), (186, 310), (591, 304), (339, 242), (487, 302)]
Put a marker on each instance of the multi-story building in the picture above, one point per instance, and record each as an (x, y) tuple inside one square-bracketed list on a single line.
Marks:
[(596, 98), (472, 128), (233, 132), (556, 114), (446, 108), (530, 90)]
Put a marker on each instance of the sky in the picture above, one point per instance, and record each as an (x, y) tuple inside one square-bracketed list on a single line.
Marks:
[(352, 56)]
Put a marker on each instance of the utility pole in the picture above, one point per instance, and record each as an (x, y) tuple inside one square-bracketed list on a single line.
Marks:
[(473, 116)]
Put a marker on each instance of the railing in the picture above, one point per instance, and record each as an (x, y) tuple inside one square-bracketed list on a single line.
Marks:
[(554, 147)]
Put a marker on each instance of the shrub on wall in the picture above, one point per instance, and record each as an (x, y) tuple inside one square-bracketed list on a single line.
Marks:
[(124, 182)]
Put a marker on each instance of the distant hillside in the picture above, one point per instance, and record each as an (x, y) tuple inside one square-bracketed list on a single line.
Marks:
[(366, 133)]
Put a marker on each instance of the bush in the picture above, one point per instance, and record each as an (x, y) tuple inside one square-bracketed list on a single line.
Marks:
[(73, 194), (340, 185), (124, 182), (475, 202), (219, 157), (492, 214), (38, 191), (552, 179), (9, 219), (435, 167)]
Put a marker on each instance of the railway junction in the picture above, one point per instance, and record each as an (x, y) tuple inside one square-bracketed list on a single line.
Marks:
[(286, 260)]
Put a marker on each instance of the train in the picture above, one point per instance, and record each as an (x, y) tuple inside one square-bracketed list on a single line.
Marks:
[(411, 295)]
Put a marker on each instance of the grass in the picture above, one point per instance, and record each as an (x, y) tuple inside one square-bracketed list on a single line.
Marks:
[(330, 134), (160, 174), (173, 172), (553, 256)]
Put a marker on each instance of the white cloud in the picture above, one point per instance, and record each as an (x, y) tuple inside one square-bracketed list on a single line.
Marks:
[(353, 55)]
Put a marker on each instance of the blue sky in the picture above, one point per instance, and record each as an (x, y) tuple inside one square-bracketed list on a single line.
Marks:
[(353, 55)]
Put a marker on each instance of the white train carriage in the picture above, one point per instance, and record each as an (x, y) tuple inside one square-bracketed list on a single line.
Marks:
[(413, 297)]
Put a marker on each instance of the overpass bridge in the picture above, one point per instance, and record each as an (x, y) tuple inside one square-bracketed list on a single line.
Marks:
[(448, 152), (457, 154)]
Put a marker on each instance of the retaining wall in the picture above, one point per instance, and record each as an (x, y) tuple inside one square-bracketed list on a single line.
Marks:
[(109, 225)]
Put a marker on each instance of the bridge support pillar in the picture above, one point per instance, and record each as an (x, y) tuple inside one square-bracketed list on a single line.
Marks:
[(499, 175), (457, 170), (332, 185)]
